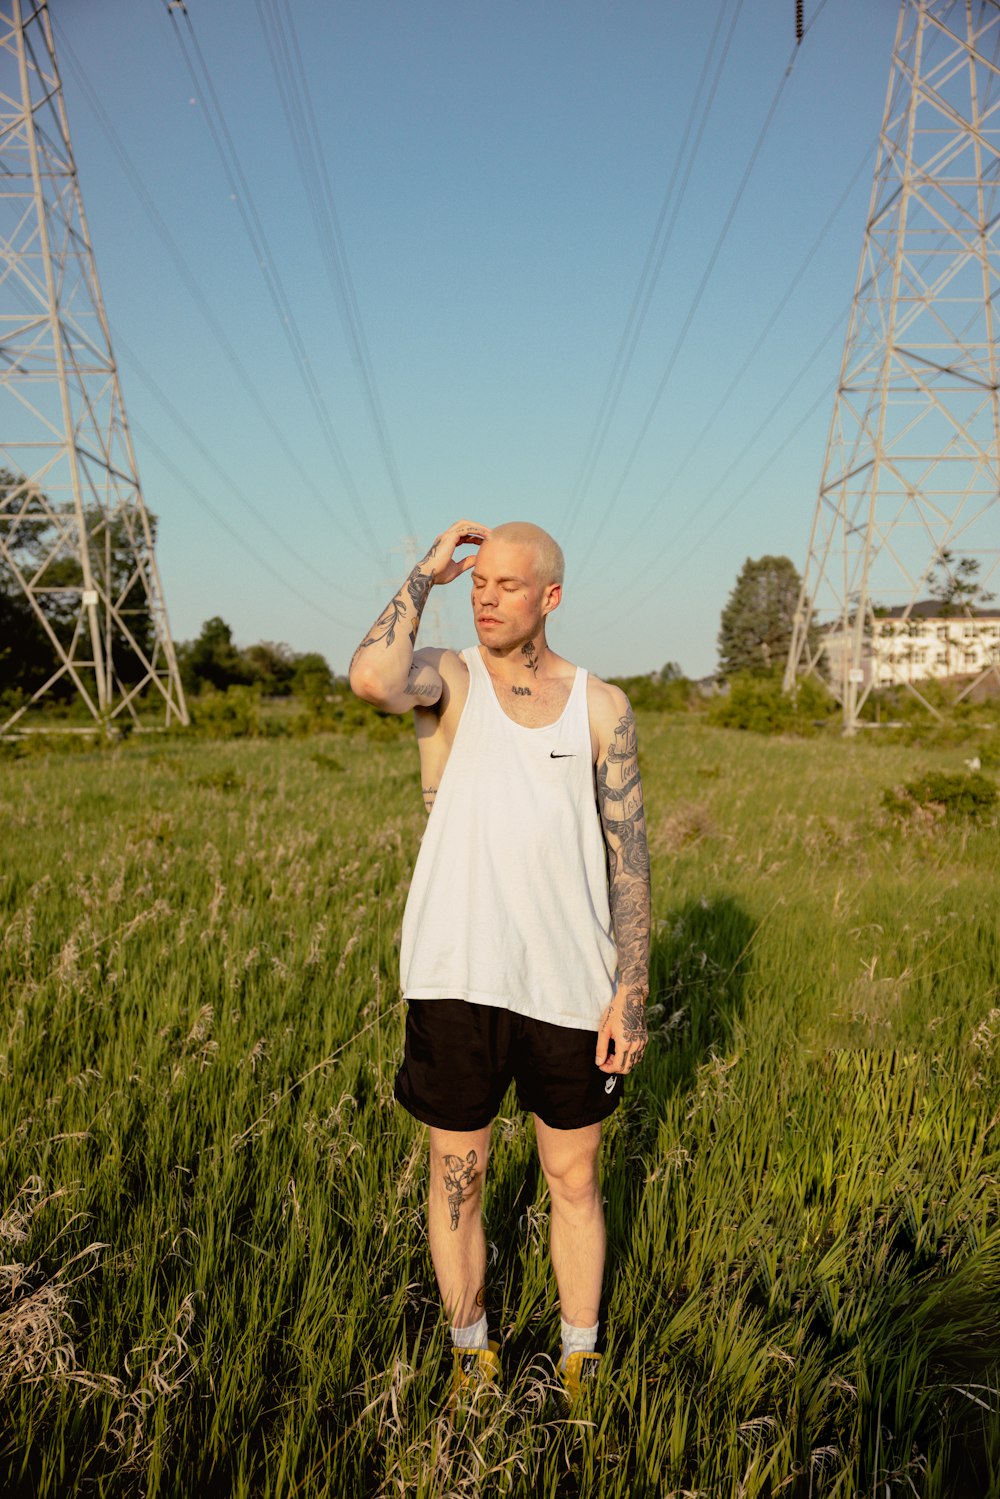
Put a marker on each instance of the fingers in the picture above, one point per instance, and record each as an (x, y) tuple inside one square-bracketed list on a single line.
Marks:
[(603, 1041), (622, 1061), (626, 1054), (468, 533)]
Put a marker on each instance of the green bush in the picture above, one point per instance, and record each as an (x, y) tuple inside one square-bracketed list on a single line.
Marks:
[(943, 792), (759, 705), (340, 712), (233, 714), (666, 691)]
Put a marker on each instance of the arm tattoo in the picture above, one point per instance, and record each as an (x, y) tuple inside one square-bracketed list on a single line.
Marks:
[(416, 588), (619, 799), (431, 690), (430, 792), (459, 1176)]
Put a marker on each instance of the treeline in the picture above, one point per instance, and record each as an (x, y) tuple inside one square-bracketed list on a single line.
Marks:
[(268, 690), (213, 662)]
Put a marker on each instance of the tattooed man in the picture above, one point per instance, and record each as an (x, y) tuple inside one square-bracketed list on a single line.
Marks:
[(526, 934)]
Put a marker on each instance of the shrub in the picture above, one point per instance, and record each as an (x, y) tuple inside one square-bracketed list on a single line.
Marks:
[(340, 712), (665, 691), (233, 714), (758, 704), (944, 794)]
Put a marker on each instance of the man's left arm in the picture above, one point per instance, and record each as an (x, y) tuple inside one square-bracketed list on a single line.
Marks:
[(619, 799)]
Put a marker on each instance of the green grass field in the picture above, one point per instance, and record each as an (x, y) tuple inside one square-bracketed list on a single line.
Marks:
[(214, 1276)]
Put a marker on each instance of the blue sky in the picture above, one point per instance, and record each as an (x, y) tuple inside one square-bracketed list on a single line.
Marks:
[(498, 171)]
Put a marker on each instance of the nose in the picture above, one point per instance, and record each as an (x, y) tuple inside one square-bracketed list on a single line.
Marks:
[(488, 595)]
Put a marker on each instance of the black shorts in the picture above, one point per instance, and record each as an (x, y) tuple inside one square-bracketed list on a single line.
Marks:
[(460, 1058)]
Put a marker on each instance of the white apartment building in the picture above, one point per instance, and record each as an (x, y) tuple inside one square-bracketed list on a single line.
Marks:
[(925, 643)]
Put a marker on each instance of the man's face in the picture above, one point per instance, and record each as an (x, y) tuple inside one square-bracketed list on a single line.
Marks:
[(508, 603)]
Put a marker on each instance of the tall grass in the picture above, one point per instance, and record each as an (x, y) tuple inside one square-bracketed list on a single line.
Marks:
[(213, 1274)]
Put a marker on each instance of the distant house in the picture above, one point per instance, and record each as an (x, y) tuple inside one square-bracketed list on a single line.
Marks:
[(915, 643)]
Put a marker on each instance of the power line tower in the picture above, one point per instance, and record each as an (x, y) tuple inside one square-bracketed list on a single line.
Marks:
[(910, 483), (77, 557)]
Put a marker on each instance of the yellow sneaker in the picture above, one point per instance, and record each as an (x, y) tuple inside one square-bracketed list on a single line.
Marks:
[(579, 1370), (472, 1370)]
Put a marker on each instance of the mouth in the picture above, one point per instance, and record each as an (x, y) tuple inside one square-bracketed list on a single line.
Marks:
[(487, 619)]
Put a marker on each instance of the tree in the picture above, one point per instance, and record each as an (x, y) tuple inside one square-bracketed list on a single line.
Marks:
[(42, 543), (755, 630), (273, 666), (954, 584), (213, 659), (313, 679)]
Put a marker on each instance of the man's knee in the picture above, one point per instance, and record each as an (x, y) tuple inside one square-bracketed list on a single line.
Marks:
[(573, 1181), (457, 1168)]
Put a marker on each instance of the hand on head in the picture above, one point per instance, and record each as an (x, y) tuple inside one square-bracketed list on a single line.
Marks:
[(440, 562)]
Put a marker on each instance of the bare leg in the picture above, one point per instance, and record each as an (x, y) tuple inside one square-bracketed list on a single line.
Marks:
[(569, 1161), (455, 1221)]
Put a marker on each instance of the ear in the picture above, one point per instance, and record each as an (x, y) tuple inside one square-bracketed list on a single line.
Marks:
[(552, 597)]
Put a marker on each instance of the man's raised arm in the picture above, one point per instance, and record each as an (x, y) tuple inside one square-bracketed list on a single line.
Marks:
[(619, 798), (383, 669)]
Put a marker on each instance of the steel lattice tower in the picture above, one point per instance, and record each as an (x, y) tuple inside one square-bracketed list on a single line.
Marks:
[(912, 471), (76, 542)]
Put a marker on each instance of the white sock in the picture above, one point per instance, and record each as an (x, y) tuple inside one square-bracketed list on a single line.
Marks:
[(476, 1336), (576, 1339)]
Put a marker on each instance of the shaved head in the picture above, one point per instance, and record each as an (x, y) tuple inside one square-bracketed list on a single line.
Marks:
[(549, 565)]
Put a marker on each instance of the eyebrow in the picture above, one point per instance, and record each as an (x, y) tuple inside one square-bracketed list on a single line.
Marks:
[(510, 579)]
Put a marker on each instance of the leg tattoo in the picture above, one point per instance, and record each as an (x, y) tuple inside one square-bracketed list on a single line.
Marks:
[(458, 1176)]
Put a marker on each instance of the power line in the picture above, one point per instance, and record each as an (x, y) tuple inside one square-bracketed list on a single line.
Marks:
[(296, 100), (699, 294), (734, 383), (651, 269), (631, 604), (190, 280), (208, 457), (246, 206), (237, 536)]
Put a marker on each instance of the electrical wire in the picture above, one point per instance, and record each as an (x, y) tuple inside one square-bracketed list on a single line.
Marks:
[(734, 383), (293, 87), (624, 608), (652, 266), (235, 489), (241, 541), (190, 280), (698, 295), (239, 186)]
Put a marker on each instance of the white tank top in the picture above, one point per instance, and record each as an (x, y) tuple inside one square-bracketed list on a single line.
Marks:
[(508, 904)]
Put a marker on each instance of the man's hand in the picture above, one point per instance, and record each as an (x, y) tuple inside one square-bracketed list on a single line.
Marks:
[(383, 669), (624, 1023), (440, 564)]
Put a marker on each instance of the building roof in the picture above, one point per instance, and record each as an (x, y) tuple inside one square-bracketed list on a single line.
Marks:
[(934, 609)]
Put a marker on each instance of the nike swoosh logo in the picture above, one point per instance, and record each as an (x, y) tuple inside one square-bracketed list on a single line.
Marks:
[(554, 756)]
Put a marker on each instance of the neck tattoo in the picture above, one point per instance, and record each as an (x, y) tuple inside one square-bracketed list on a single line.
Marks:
[(530, 661)]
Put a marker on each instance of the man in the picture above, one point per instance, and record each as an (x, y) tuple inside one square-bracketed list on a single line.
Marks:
[(525, 941)]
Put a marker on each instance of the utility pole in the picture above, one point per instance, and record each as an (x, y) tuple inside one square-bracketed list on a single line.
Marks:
[(911, 477), (76, 541)]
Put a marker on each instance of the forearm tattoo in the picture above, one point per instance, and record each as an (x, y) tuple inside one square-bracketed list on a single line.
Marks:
[(619, 799), (459, 1176), (413, 592)]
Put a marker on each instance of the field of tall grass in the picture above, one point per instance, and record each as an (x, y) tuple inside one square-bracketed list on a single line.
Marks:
[(213, 1276)]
